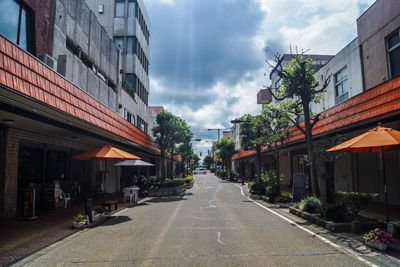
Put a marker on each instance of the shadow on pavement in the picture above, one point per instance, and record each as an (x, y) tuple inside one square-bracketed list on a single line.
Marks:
[(137, 205), (165, 199), (113, 220)]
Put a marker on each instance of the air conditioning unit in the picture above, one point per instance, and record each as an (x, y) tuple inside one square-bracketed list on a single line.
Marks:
[(49, 61)]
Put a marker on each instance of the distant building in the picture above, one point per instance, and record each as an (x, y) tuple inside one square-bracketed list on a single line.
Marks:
[(227, 134), (128, 25)]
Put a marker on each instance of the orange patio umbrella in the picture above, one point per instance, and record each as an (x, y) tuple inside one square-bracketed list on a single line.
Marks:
[(105, 152), (379, 139)]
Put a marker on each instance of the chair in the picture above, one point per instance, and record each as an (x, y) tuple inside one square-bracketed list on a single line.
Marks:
[(65, 198)]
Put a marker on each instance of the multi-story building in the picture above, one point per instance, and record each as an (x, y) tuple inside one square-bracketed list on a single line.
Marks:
[(67, 102), (128, 25), (364, 89)]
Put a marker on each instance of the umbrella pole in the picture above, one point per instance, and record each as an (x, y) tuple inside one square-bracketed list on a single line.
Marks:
[(382, 157), (105, 179)]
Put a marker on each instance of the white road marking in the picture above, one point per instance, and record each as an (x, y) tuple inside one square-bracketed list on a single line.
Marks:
[(206, 228), (200, 218), (346, 250), (219, 240)]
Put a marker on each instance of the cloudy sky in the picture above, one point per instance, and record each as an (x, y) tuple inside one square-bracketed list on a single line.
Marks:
[(207, 58)]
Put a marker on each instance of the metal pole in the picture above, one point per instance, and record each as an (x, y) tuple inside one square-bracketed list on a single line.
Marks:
[(382, 157)]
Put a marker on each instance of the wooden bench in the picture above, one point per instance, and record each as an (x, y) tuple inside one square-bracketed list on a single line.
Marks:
[(107, 204)]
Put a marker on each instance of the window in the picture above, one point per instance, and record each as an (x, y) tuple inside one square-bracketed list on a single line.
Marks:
[(131, 45), (119, 43), (119, 8), (130, 79), (131, 8), (14, 24), (341, 86), (129, 117), (393, 48)]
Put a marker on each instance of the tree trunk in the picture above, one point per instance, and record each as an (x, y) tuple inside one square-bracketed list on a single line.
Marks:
[(277, 159), (258, 149), (172, 164), (310, 149), (162, 164)]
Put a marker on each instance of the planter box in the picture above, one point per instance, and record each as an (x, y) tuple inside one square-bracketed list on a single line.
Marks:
[(164, 192), (335, 226), (381, 247), (190, 185), (78, 225)]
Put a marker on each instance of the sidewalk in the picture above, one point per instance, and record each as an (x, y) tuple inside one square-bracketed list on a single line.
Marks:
[(19, 239), (374, 210)]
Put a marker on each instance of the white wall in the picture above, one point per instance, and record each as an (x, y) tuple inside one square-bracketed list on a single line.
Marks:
[(348, 57)]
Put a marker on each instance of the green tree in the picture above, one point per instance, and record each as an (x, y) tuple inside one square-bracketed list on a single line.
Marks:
[(227, 148), (278, 124), (163, 131), (254, 135), (181, 133), (196, 160), (208, 161), (300, 88), (185, 149)]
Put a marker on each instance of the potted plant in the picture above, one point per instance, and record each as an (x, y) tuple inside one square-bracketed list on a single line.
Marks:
[(378, 239), (79, 221)]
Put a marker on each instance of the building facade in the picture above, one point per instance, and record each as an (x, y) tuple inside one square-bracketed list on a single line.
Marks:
[(60, 96), (364, 89), (128, 25)]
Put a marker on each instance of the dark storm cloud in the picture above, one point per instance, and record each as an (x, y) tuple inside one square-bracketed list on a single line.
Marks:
[(196, 43)]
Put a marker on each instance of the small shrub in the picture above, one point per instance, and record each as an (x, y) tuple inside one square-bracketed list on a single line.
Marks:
[(79, 218), (256, 187), (272, 179), (212, 169), (188, 179), (169, 183), (354, 201), (310, 204), (336, 213), (284, 198)]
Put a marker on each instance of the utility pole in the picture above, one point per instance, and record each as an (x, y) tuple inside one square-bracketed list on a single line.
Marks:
[(218, 130)]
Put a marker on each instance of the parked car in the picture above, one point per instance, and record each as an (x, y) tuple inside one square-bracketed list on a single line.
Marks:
[(200, 171)]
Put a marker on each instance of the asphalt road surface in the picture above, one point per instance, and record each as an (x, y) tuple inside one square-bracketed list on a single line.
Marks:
[(213, 224)]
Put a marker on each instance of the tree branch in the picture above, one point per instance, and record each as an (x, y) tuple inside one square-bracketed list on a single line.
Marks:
[(275, 97), (315, 120)]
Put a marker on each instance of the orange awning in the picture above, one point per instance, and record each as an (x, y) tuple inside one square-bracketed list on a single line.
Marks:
[(106, 152), (372, 141)]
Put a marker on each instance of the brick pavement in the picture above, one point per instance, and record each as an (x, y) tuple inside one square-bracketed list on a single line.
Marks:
[(19, 239)]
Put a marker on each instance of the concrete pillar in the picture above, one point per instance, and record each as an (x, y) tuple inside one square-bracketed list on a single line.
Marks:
[(9, 147)]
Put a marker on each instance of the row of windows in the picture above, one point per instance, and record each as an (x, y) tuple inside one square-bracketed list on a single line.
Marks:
[(74, 49), (138, 87), (132, 47), (141, 124), (143, 25), (129, 117), (119, 12)]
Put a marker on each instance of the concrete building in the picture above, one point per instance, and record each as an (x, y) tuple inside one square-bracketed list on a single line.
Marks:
[(59, 106), (128, 25)]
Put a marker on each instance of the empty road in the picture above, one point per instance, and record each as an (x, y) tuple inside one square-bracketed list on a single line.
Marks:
[(213, 224)]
